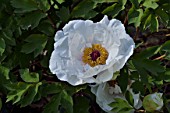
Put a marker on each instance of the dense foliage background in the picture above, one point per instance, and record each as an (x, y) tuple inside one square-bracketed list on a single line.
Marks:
[(27, 29)]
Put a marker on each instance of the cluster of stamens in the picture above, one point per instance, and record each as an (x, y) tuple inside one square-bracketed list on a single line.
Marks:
[(95, 55)]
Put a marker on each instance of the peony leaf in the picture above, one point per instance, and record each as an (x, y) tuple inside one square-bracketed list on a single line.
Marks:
[(134, 16), (83, 8), (46, 28), (67, 102), (53, 105), (153, 66), (52, 88), (64, 14), (150, 4), (137, 87), (162, 15), (29, 77), (17, 94), (7, 36), (31, 20), (63, 99), (36, 43), (2, 46), (121, 106), (123, 79), (113, 10), (136, 3), (4, 71), (129, 98), (30, 95), (43, 5), (81, 104), (24, 5)]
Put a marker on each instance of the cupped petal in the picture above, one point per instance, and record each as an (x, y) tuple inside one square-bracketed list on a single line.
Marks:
[(126, 50)]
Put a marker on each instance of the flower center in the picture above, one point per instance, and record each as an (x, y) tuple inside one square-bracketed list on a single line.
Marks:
[(95, 55)]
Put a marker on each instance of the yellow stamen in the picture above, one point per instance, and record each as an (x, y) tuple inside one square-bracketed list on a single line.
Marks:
[(95, 55)]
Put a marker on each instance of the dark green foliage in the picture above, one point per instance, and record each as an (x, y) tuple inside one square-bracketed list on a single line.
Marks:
[(121, 106), (27, 30)]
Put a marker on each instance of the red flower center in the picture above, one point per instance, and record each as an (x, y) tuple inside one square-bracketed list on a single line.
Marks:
[(94, 55)]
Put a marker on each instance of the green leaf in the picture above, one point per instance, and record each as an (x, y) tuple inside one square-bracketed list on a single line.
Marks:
[(136, 3), (166, 7), (138, 86), (162, 15), (152, 22), (113, 10), (123, 79), (30, 95), (122, 2), (43, 5), (52, 88), (153, 66), (2, 46), (4, 71), (91, 14), (141, 71), (53, 105), (81, 104), (29, 77), (60, 1), (134, 16), (166, 75), (148, 52), (150, 4), (166, 46), (166, 50), (64, 14), (8, 37), (46, 28), (121, 106), (24, 5), (129, 98), (36, 43), (67, 102), (31, 20), (83, 8), (17, 94)]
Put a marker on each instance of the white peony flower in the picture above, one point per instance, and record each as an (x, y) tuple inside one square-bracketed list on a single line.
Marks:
[(153, 102), (105, 95), (87, 52)]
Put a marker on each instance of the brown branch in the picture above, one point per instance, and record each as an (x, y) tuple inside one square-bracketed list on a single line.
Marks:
[(136, 34), (52, 23), (160, 57)]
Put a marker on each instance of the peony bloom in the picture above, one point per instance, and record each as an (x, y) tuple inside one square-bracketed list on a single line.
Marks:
[(106, 93), (87, 52), (153, 102)]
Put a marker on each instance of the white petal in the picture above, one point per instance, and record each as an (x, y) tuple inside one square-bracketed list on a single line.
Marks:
[(59, 34), (104, 76), (73, 80), (105, 20), (137, 101)]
